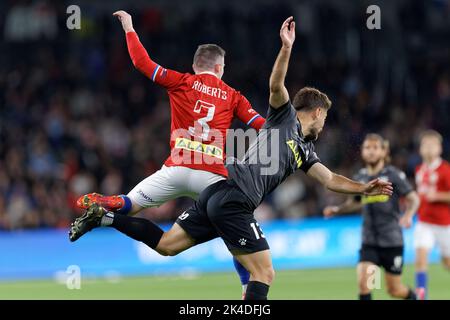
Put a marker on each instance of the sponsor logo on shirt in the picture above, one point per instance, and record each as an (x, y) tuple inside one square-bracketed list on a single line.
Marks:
[(375, 199), (294, 148), (146, 197), (197, 146)]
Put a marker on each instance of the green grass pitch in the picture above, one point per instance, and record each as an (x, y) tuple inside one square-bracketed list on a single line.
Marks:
[(292, 284)]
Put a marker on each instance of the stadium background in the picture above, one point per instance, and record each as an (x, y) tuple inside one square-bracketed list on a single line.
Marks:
[(75, 117)]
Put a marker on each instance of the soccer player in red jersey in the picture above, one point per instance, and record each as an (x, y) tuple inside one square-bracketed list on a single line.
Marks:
[(433, 186), (202, 109)]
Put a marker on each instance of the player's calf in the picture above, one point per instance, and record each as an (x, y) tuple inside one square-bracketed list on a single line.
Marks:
[(137, 228), (421, 264), (174, 241), (401, 292), (259, 265), (363, 280), (260, 281)]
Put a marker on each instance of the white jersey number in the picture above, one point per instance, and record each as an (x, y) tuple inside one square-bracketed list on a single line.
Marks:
[(257, 230), (203, 122)]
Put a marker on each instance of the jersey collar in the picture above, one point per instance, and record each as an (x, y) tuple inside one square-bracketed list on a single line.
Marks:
[(299, 127), (208, 72), (434, 165)]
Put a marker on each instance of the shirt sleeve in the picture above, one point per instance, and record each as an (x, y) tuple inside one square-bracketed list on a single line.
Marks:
[(310, 159), (245, 113), (282, 114), (167, 78), (401, 183)]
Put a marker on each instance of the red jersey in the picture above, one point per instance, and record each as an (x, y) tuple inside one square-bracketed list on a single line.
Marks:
[(434, 177), (202, 108)]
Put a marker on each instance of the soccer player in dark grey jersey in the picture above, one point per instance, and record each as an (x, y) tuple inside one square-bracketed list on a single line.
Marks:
[(225, 209), (382, 236)]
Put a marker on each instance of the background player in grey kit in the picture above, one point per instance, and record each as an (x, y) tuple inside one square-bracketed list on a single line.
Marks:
[(382, 237), (225, 209)]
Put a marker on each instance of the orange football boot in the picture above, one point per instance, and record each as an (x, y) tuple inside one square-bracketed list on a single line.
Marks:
[(111, 203)]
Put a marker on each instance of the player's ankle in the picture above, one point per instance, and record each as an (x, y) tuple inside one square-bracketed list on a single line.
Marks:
[(127, 205), (411, 295), (365, 296)]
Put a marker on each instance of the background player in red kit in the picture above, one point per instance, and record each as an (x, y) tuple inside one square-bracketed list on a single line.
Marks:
[(433, 186), (202, 109)]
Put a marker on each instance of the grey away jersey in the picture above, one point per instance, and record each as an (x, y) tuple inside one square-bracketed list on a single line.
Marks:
[(281, 139), (381, 213)]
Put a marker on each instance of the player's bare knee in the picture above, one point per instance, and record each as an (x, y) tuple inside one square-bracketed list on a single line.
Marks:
[(171, 252), (265, 275), (166, 251), (165, 247), (421, 265)]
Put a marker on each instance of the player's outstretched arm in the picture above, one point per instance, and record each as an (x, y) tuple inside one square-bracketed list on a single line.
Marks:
[(278, 92), (341, 184), (350, 205), (141, 59)]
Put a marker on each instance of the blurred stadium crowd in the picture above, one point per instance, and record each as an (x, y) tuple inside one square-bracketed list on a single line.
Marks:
[(76, 117)]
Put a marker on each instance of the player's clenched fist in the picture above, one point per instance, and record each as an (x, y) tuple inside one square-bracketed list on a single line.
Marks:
[(287, 32), (125, 18)]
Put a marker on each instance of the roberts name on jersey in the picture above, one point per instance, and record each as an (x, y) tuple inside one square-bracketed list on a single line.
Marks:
[(211, 91)]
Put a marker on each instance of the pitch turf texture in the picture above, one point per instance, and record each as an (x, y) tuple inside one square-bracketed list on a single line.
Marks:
[(292, 284)]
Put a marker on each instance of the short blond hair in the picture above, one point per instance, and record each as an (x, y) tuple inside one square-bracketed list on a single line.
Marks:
[(430, 133)]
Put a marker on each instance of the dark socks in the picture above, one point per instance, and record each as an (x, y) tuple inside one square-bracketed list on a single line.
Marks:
[(367, 296), (411, 295), (256, 291), (126, 206), (137, 228)]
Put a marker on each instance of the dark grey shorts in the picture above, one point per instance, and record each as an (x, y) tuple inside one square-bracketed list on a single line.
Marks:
[(223, 210)]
